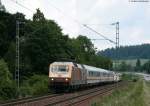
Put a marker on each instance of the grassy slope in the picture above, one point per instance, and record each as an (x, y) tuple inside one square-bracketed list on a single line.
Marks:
[(147, 93), (135, 94)]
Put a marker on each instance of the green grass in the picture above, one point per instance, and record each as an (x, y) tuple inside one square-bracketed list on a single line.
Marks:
[(147, 93), (130, 77), (129, 95)]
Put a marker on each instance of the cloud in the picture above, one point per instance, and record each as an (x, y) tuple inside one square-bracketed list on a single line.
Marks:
[(133, 18)]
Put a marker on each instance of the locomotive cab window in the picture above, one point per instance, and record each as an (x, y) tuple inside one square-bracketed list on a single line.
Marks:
[(62, 68), (59, 68)]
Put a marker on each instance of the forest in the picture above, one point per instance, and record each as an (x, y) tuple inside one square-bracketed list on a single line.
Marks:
[(41, 42), (125, 66), (128, 52)]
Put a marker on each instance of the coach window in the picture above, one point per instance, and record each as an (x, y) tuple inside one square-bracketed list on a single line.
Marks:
[(96, 74), (93, 74), (104, 74), (90, 74)]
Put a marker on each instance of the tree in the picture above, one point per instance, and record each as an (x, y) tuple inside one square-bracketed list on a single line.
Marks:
[(128, 52), (146, 67), (7, 86), (138, 65), (38, 16), (85, 53), (35, 85), (10, 56), (83, 49), (123, 66), (43, 43), (7, 29)]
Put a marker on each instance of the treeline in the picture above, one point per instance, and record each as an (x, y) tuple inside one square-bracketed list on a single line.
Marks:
[(143, 68), (128, 52), (41, 43)]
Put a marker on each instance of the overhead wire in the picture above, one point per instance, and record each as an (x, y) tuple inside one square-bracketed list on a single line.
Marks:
[(75, 20), (15, 1), (84, 25), (100, 34)]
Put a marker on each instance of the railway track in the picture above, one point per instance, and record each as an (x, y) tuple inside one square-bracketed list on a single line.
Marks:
[(77, 98), (28, 99)]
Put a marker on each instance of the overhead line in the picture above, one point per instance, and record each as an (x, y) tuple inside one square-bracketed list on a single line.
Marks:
[(22, 5), (97, 39), (84, 25), (75, 20), (100, 34)]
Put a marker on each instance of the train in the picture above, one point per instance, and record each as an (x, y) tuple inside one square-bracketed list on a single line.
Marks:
[(71, 75)]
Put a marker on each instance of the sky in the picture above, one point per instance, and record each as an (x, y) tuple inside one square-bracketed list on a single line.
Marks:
[(133, 17)]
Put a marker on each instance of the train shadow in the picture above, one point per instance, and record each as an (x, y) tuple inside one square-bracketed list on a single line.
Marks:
[(71, 89)]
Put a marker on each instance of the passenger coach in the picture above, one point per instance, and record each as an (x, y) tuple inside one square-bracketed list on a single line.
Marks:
[(72, 75)]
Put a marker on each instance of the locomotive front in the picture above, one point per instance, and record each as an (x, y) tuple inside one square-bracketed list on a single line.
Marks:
[(59, 75)]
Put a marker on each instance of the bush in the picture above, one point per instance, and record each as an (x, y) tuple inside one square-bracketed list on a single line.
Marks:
[(130, 77), (35, 85), (7, 85)]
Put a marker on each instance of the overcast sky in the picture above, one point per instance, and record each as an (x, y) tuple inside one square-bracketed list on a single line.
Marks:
[(134, 18)]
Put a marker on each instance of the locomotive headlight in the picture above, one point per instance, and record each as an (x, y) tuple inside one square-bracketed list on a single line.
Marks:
[(52, 79), (66, 79)]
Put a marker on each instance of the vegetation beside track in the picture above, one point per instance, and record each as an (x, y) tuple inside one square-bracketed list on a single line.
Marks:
[(41, 43), (147, 93), (34, 86), (134, 94), (129, 77)]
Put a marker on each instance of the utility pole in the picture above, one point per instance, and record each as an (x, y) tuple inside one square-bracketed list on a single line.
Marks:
[(117, 49), (17, 65), (17, 76), (116, 43), (117, 34), (2, 7)]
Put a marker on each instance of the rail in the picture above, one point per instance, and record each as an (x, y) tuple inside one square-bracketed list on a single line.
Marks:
[(65, 99)]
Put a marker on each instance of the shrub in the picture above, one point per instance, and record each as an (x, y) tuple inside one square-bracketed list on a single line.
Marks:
[(7, 85), (35, 85)]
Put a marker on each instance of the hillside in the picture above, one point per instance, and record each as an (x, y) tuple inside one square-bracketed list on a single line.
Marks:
[(128, 52)]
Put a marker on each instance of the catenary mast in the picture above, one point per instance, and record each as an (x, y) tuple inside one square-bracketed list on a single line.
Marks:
[(2, 7)]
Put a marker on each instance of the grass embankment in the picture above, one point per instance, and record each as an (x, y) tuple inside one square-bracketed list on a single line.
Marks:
[(147, 93), (134, 94)]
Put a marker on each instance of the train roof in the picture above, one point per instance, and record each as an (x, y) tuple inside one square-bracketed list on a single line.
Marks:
[(60, 63), (82, 66), (91, 68)]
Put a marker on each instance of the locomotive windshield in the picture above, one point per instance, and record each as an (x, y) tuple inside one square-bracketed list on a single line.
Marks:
[(59, 68)]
